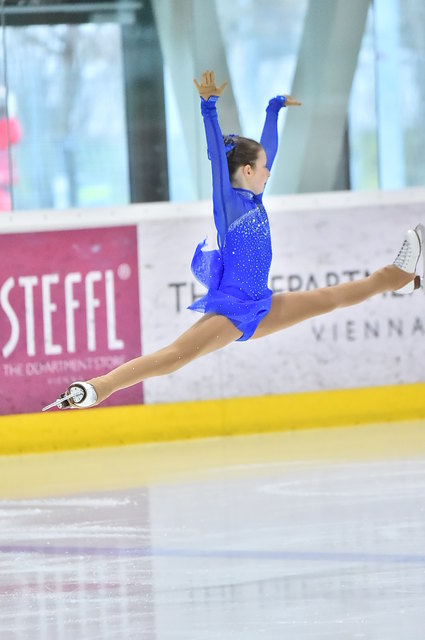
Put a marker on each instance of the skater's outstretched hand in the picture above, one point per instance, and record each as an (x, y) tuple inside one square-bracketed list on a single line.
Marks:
[(291, 102), (207, 87)]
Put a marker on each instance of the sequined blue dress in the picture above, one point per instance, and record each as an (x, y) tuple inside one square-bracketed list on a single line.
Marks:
[(236, 275)]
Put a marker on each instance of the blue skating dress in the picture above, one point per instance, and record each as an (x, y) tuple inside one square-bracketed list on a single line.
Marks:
[(236, 275)]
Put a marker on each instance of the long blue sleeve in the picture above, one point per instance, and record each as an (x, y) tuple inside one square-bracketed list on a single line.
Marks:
[(269, 137), (223, 195)]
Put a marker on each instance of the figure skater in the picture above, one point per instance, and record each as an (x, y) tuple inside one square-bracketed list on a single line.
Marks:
[(238, 304)]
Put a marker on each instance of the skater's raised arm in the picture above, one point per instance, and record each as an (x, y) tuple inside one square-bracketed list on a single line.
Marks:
[(269, 137), (223, 195)]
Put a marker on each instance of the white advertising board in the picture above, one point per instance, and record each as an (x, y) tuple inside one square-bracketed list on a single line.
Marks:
[(379, 342), (318, 240)]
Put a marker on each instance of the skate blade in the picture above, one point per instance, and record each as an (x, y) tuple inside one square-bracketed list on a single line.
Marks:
[(59, 401), (420, 230)]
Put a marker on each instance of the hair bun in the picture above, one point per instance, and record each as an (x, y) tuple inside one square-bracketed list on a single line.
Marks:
[(230, 142)]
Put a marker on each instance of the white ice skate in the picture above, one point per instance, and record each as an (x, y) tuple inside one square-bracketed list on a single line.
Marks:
[(408, 258), (79, 395)]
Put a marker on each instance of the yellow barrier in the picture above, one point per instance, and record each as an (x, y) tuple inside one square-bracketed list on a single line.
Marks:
[(112, 426)]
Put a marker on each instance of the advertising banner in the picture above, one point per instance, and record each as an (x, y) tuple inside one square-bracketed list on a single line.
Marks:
[(75, 304), (69, 310)]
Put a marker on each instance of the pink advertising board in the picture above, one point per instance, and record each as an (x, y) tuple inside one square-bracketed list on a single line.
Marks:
[(69, 310)]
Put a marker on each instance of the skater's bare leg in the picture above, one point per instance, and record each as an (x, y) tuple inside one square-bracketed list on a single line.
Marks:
[(210, 333), (290, 308)]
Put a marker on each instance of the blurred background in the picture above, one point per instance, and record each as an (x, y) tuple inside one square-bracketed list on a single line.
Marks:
[(97, 105)]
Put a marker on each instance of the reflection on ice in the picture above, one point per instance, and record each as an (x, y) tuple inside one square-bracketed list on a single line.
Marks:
[(300, 549)]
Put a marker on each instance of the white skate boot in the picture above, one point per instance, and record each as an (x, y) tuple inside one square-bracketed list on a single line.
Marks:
[(79, 395), (407, 260)]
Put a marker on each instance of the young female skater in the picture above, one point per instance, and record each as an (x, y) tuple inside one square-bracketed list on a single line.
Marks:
[(238, 304)]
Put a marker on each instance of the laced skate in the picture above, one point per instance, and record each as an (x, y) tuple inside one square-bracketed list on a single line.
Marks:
[(407, 259), (80, 395)]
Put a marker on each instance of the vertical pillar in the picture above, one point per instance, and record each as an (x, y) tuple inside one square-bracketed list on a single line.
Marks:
[(313, 136), (191, 41), (144, 89)]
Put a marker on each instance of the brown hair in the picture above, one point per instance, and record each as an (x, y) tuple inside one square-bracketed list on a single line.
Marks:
[(240, 151)]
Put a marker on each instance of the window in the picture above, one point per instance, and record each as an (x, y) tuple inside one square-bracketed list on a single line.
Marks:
[(387, 110), (85, 123)]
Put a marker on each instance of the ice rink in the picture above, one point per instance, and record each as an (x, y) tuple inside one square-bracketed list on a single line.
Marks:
[(300, 535)]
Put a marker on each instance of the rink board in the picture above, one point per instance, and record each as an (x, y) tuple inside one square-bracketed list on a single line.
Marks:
[(266, 384), (115, 426)]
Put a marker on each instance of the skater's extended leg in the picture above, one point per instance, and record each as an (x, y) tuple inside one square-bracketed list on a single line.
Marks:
[(210, 333), (213, 332), (290, 308)]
